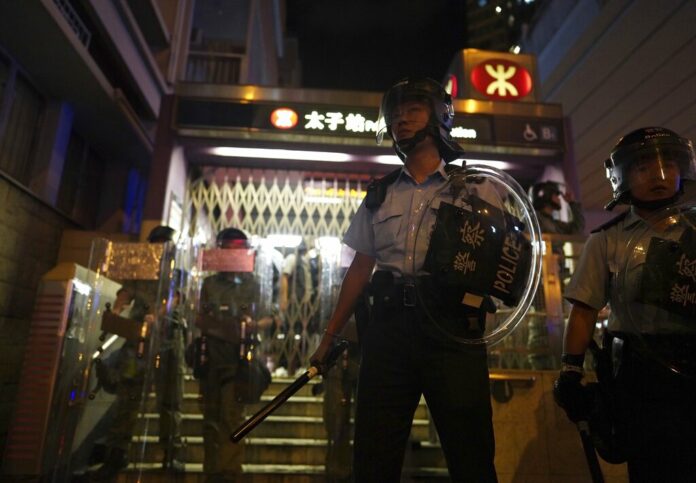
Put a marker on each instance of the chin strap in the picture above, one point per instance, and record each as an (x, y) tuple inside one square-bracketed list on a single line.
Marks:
[(655, 204), (448, 149), (405, 146)]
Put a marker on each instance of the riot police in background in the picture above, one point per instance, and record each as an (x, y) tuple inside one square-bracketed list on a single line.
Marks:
[(169, 376), (546, 199), (401, 358), (138, 300), (227, 300), (653, 406)]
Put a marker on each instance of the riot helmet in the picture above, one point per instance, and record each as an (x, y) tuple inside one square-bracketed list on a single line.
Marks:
[(232, 238), (439, 123), (647, 144), (161, 234), (543, 193)]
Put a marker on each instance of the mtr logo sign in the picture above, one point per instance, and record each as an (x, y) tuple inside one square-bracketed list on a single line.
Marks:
[(501, 79)]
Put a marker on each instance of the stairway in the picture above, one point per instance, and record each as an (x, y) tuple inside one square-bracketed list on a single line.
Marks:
[(288, 447)]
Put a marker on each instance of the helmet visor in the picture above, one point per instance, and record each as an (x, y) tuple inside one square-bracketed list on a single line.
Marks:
[(405, 92)]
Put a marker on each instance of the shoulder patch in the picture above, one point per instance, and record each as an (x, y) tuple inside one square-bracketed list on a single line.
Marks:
[(612, 222)]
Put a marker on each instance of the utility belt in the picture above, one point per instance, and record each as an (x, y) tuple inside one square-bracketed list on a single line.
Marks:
[(651, 354), (390, 291)]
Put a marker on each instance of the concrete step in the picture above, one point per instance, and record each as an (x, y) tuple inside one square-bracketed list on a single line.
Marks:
[(283, 451), (276, 386), (264, 473), (297, 405), (273, 427)]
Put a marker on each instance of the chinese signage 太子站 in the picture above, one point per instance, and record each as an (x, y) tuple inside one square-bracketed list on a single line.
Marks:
[(327, 120)]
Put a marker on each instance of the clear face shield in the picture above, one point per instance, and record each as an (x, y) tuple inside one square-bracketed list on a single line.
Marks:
[(406, 101), (482, 262), (651, 172)]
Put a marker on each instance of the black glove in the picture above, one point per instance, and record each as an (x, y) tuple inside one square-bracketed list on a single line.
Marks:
[(571, 395)]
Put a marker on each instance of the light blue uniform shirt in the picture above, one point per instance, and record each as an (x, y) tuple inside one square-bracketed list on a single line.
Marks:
[(391, 232), (609, 270)]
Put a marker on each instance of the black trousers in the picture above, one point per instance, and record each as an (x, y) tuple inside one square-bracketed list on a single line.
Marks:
[(656, 419), (401, 359)]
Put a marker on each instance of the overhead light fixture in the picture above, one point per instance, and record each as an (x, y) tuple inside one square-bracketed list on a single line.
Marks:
[(388, 159), (502, 165), (331, 156), (280, 154)]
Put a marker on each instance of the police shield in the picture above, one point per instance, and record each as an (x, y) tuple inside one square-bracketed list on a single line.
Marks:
[(115, 351), (233, 307), (482, 263), (656, 288)]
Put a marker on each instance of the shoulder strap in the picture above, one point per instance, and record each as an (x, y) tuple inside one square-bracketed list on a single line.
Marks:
[(377, 190), (611, 222)]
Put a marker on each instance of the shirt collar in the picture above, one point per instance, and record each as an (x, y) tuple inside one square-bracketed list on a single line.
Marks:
[(632, 219), (439, 170)]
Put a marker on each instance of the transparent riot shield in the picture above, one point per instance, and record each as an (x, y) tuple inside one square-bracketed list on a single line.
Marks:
[(55, 377), (233, 308), (482, 256), (112, 351), (654, 295)]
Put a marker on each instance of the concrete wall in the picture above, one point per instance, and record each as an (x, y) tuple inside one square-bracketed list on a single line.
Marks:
[(29, 241)]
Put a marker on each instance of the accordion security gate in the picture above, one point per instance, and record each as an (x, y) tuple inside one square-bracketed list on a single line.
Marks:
[(316, 207), (319, 207)]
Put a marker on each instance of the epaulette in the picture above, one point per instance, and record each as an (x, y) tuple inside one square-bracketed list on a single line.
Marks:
[(377, 190), (611, 222)]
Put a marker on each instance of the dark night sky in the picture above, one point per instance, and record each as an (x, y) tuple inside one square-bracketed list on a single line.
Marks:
[(370, 44)]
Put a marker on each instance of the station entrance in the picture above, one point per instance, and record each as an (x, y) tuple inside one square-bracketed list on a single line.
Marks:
[(287, 169)]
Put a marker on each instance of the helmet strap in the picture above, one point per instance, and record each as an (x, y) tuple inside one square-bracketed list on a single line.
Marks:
[(406, 146), (655, 204)]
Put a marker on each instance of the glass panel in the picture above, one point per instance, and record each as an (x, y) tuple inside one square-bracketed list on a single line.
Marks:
[(233, 309), (122, 372)]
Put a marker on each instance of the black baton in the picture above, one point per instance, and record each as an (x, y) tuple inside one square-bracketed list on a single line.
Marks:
[(283, 396), (590, 455)]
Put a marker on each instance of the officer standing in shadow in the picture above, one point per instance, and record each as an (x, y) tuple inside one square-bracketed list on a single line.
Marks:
[(226, 301), (546, 200), (401, 357), (131, 366), (651, 401)]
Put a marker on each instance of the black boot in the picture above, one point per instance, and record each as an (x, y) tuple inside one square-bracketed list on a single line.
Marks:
[(116, 459), (170, 462)]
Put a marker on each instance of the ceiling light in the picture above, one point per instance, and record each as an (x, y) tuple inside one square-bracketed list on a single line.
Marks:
[(280, 154), (502, 165)]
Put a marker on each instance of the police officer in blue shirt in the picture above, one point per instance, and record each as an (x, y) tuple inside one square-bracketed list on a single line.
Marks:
[(652, 400), (402, 357)]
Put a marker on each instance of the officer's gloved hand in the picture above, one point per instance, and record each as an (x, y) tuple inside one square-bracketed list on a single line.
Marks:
[(571, 395), (568, 392)]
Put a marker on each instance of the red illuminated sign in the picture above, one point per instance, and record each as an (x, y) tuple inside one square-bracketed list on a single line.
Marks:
[(284, 118), (501, 79)]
